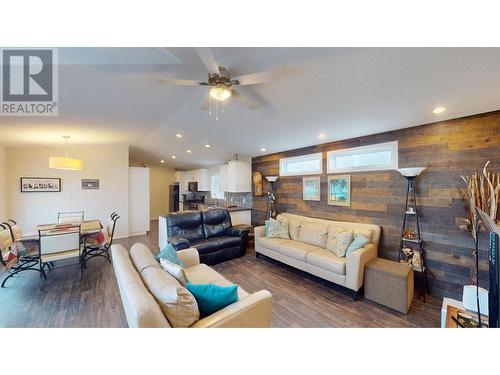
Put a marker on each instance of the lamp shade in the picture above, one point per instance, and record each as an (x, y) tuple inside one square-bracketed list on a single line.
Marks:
[(411, 172), (271, 178), (65, 163)]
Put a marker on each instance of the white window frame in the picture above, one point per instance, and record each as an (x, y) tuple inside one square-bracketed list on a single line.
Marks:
[(388, 146), (217, 194), (308, 157)]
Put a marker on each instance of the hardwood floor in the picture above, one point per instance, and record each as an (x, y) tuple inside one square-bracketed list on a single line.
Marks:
[(92, 299)]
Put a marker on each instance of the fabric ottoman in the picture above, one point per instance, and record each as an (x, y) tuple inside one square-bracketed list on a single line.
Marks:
[(389, 283)]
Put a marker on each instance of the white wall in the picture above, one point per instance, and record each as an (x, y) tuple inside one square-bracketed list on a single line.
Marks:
[(3, 184), (109, 164)]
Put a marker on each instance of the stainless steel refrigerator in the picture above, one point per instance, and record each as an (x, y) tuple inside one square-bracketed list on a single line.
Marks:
[(173, 205)]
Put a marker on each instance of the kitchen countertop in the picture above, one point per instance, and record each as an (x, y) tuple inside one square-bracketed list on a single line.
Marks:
[(230, 209)]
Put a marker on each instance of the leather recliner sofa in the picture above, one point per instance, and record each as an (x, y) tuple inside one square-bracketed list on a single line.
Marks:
[(210, 232)]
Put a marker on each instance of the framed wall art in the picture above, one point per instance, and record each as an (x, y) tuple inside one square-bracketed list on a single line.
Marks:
[(40, 185), (90, 184), (339, 190), (311, 188)]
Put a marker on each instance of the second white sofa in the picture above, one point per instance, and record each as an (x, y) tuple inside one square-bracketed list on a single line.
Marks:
[(306, 250)]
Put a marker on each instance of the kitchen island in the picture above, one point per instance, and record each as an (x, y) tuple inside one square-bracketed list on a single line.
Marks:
[(239, 215)]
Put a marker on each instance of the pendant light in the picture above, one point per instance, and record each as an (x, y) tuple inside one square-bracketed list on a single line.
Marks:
[(66, 163)]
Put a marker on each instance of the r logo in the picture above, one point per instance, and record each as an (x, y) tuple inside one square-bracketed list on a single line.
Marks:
[(27, 75)]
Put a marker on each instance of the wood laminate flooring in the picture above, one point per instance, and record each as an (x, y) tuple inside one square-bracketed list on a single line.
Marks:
[(92, 299)]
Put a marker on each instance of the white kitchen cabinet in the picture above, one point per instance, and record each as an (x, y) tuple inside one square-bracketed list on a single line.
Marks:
[(201, 176), (194, 175), (236, 177)]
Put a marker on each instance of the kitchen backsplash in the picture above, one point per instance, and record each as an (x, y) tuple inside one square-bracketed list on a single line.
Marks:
[(230, 199)]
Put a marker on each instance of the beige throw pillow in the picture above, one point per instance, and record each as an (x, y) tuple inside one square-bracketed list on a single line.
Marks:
[(175, 270), (313, 233), (333, 232), (294, 229), (176, 302), (341, 243)]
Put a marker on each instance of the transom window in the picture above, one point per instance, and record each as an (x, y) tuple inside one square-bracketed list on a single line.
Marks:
[(381, 156), (302, 165)]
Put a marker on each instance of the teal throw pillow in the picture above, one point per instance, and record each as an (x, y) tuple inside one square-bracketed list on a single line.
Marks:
[(358, 242), (169, 253), (212, 298)]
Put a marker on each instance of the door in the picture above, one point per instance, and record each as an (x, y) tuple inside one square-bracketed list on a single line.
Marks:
[(139, 200)]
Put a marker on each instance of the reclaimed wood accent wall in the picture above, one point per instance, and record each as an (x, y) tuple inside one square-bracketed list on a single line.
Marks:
[(448, 150)]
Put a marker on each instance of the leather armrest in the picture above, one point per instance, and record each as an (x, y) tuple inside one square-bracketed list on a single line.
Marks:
[(237, 232), (355, 265), (190, 257), (253, 311), (179, 243)]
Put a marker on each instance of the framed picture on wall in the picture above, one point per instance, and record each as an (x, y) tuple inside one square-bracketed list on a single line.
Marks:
[(90, 184), (40, 185), (311, 188), (339, 190)]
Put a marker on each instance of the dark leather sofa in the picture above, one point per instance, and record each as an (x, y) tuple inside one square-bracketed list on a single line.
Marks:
[(210, 232)]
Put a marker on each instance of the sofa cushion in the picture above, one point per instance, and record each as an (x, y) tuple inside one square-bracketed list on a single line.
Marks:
[(176, 302), (272, 243), (313, 233), (327, 260), (169, 253), (216, 222), (175, 270), (205, 246), (187, 225), (284, 227), (358, 242), (333, 232), (142, 257), (273, 228), (203, 274), (296, 249), (365, 232), (228, 241)]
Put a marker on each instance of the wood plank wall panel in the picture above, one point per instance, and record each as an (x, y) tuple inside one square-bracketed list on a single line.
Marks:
[(448, 149)]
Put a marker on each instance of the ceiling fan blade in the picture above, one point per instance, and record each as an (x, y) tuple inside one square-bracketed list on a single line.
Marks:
[(245, 100), (205, 103), (254, 78), (177, 82), (207, 56)]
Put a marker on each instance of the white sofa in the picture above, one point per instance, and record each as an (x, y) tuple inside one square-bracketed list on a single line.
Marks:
[(307, 251), (144, 311)]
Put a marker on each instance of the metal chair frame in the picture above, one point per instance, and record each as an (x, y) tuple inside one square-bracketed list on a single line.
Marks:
[(43, 275), (25, 263), (90, 252)]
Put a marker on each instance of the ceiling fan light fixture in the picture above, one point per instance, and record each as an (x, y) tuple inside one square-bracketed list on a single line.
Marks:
[(220, 93)]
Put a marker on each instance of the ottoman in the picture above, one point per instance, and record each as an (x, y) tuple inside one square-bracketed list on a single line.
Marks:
[(389, 283)]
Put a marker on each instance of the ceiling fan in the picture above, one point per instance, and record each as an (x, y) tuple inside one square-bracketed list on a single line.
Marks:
[(221, 82)]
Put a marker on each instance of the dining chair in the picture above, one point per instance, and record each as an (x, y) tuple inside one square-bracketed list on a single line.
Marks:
[(102, 249), (56, 245), (27, 258), (74, 217)]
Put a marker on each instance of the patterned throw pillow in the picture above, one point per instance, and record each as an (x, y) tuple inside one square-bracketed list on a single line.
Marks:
[(273, 228), (284, 231), (170, 254), (341, 243), (175, 270), (333, 232), (358, 242)]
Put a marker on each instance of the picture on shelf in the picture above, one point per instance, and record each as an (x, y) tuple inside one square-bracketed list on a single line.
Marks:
[(339, 190), (311, 188), (40, 185)]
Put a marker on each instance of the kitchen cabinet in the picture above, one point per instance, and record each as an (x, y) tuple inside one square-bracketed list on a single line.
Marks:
[(195, 175), (236, 177)]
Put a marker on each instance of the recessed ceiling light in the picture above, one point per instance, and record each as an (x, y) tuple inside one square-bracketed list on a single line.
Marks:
[(178, 135), (263, 149), (207, 146), (321, 135), (162, 161), (188, 151), (438, 110), (173, 156)]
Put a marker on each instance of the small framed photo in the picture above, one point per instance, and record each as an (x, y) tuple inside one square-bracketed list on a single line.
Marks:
[(311, 188), (40, 185), (90, 184), (339, 190)]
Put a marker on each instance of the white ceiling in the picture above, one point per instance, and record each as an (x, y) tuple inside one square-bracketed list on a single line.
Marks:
[(109, 95)]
